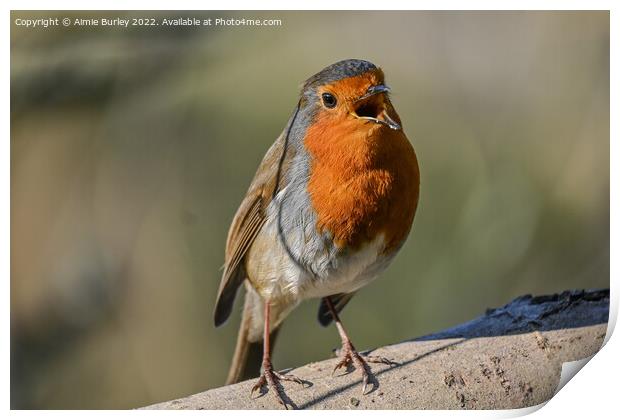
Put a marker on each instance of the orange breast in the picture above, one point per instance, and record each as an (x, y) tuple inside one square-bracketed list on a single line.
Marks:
[(363, 182)]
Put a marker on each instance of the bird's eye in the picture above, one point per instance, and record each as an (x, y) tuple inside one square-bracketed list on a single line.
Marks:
[(329, 100)]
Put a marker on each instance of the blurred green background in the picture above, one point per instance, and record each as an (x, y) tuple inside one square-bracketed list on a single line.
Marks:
[(132, 148)]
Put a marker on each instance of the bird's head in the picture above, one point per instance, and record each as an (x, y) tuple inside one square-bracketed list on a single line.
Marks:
[(353, 94)]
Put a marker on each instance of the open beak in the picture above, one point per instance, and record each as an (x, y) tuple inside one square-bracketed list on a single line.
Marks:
[(374, 90), (369, 107)]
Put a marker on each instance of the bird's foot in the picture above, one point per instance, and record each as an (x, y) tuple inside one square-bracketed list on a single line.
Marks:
[(270, 378), (350, 357)]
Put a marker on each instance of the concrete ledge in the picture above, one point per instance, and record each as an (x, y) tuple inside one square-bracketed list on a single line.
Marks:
[(509, 358)]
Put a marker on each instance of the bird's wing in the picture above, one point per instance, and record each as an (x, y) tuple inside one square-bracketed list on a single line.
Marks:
[(246, 225), (339, 301)]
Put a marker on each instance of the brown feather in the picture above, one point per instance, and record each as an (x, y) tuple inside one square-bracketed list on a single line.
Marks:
[(247, 223)]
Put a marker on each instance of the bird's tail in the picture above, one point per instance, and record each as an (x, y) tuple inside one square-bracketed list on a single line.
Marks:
[(248, 357)]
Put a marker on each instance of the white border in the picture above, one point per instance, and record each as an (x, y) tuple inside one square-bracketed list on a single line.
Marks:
[(592, 394), (314, 5)]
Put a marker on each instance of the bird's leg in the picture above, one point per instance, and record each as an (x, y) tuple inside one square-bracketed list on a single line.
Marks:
[(348, 354), (270, 377)]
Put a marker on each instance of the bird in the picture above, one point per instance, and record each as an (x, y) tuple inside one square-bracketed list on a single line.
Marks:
[(330, 205)]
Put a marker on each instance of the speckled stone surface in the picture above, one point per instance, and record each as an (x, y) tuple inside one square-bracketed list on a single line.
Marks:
[(509, 358)]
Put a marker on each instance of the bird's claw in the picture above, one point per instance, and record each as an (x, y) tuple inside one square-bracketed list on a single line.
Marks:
[(287, 377), (272, 379), (259, 384), (344, 361), (351, 356)]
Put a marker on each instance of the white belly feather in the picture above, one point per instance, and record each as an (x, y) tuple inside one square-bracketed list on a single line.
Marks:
[(277, 277), (285, 278)]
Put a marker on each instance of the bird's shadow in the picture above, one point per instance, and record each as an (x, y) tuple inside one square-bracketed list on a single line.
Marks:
[(372, 376), (524, 314)]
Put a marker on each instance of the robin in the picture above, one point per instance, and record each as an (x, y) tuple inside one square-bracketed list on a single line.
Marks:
[(329, 207)]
